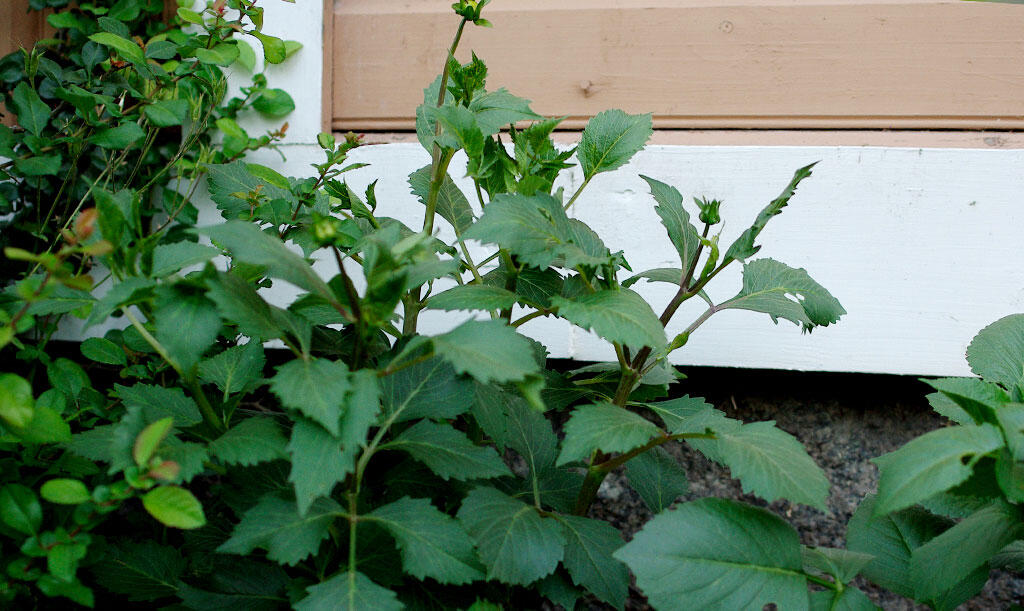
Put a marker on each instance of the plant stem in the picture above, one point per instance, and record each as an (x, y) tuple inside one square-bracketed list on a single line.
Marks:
[(572, 200)]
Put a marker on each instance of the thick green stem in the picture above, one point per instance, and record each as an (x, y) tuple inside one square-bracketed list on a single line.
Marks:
[(572, 200)]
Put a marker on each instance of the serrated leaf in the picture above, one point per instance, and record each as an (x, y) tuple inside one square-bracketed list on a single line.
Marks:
[(676, 220), (432, 543), (140, 571), (997, 352), (744, 247), (452, 204), (160, 401), (979, 398), (473, 297), (610, 140), (783, 292), (252, 441), (448, 452), (957, 552), (944, 406), (588, 558), (103, 351), (230, 183), (33, 114), (430, 389), (688, 414), (170, 258), (515, 543), (931, 463), (618, 316), (489, 351), (187, 324), (769, 462), (166, 113), (495, 110), (718, 554), (604, 427), (174, 507), (238, 302), (317, 388), (349, 592), (671, 275), (190, 457), (849, 599), (317, 463), (536, 229), (658, 478), (237, 369), (275, 525), (511, 422), (842, 564)]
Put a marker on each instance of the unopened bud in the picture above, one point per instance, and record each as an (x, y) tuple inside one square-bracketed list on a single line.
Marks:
[(709, 210)]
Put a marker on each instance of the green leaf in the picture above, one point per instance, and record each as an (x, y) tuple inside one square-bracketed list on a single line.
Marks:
[(187, 324), (588, 558), (688, 414), (174, 507), (473, 297), (149, 440), (247, 243), (246, 56), (46, 426), (68, 377), (317, 463), (850, 599), (190, 16), (317, 388), (17, 405), (349, 592), (515, 543), (62, 300), (783, 292), (141, 571), (275, 525), (238, 302), (489, 351), (978, 399), (20, 509), (604, 427), (930, 464), (448, 452), (274, 49), (432, 543), (166, 113), (40, 165), (510, 421), (190, 457), (459, 129), (769, 462), (223, 54), (718, 554), (744, 247), (120, 137), (452, 204), (103, 351), (610, 140), (677, 223), (618, 316), (62, 560), (495, 110), (997, 352), (274, 103), (33, 114), (658, 478), (250, 442), (430, 389), (73, 590), (65, 491), (230, 184), (237, 369), (536, 229), (159, 402), (959, 551), (131, 290), (841, 564), (170, 258)]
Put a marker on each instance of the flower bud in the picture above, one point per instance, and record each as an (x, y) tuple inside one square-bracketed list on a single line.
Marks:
[(709, 210)]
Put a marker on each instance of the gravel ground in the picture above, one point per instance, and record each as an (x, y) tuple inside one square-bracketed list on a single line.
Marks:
[(843, 420)]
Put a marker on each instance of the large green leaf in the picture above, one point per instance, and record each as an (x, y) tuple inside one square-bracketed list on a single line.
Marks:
[(317, 388), (849, 599), (248, 244), (239, 303), (275, 525), (931, 463), (688, 414), (20, 509), (187, 324), (510, 421), (17, 405), (744, 247), (616, 315), (676, 220), (175, 507), (158, 402), (119, 137), (489, 351), (230, 184), (769, 462), (317, 463), (140, 571), (536, 229), (604, 427), (610, 140), (956, 553), (515, 543), (349, 592), (169, 258), (588, 558), (495, 110), (997, 352), (452, 204), (125, 48), (239, 584), (448, 452), (658, 478), (430, 389), (783, 292), (33, 114), (979, 398), (237, 369), (432, 543), (473, 297), (718, 554), (252, 441)]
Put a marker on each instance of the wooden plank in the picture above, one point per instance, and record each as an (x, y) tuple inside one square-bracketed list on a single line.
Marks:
[(18, 27), (326, 92), (765, 64)]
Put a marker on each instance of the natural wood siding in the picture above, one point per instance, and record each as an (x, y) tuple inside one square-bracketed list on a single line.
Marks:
[(18, 27), (767, 64)]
